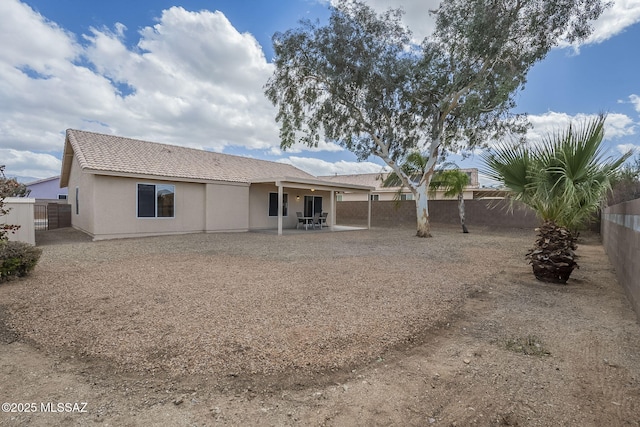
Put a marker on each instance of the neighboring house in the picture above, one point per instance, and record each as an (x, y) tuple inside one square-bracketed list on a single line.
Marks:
[(122, 187), (389, 193), (47, 190)]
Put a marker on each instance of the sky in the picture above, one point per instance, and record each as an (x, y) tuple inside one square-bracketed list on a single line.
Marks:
[(192, 73)]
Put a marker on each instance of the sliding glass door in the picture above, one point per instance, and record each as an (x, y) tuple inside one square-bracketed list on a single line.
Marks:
[(312, 205)]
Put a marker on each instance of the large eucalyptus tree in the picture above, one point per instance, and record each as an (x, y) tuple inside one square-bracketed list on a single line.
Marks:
[(361, 82)]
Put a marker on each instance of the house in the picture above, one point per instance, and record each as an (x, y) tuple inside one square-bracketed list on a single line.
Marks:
[(47, 190), (390, 193), (122, 187)]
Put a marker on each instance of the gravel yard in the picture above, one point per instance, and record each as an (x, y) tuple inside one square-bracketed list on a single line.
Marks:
[(231, 304), (358, 328)]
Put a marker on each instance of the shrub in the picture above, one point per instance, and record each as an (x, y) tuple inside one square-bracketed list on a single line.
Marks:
[(17, 259)]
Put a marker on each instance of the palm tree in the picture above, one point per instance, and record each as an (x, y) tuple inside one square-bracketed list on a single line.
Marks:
[(453, 181), (414, 167), (565, 180)]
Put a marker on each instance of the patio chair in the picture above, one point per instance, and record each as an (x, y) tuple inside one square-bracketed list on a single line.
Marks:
[(323, 219), (300, 220), (316, 220)]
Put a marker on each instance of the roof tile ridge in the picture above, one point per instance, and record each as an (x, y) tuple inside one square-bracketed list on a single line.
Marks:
[(77, 148)]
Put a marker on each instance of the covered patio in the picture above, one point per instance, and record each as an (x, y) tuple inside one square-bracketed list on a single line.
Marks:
[(306, 196)]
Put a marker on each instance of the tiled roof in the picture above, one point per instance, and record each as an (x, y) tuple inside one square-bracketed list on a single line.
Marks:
[(108, 153), (368, 179), (376, 179)]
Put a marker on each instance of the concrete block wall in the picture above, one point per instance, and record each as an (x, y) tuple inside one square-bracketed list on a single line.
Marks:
[(620, 230), (478, 213)]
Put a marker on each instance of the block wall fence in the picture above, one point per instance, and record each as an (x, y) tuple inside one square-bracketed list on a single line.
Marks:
[(479, 213), (620, 230)]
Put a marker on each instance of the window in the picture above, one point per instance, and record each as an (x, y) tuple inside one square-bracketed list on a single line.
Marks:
[(406, 197), (339, 197), (375, 197), (273, 204), (77, 203), (62, 197), (156, 201)]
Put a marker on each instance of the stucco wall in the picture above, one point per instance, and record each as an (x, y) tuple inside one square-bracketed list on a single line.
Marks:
[(478, 213), (21, 213), (620, 229), (115, 213), (48, 190), (82, 211), (227, 207)]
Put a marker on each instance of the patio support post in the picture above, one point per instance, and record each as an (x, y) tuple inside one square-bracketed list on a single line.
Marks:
[(369, 211), (332, 210), (280, 207)]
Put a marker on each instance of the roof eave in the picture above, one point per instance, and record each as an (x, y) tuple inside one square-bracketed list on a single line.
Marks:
[(67, 159), (316, 184)]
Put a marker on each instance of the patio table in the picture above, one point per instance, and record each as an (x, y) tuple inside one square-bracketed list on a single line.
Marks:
[(308, 220)]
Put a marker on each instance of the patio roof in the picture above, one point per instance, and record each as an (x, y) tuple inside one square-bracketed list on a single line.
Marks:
[(315, 185)]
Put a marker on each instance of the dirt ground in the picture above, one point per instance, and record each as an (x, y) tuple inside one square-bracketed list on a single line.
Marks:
[(362, 328)]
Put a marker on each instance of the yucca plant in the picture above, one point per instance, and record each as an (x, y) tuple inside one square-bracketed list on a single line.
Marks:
[(565, 180)]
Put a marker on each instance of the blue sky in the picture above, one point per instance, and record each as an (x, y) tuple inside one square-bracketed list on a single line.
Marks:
[(191, 73)]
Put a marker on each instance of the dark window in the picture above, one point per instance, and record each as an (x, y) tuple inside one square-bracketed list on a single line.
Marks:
[(375, 197), (156, 201), (273, 204), (77, 203), (62, 197)]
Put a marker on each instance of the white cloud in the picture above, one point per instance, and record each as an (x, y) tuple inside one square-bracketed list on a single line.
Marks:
[(192, 80), (625, 148), (616, 126), (622, 14), (416, 17), (27, 164), (635, 100), (614, 20), (319, 167), (195, 80)]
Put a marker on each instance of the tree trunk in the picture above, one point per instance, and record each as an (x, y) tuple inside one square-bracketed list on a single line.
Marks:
[(422, 211), (461, 212), (553, 258)]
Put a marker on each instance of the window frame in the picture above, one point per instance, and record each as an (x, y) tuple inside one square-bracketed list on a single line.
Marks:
[(155, 200)]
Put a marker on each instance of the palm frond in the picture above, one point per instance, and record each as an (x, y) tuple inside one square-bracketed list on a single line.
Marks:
[(564, 179)]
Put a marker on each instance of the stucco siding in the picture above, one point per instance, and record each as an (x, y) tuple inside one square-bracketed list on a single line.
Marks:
[(47, 189), (20, 213), (116, 214), (227, 207), (82, 211)]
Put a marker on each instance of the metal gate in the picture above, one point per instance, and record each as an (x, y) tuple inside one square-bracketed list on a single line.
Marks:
[(52, 216)]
